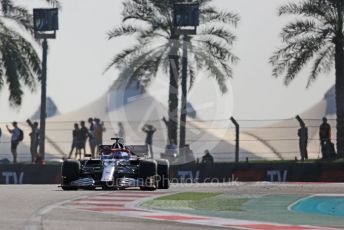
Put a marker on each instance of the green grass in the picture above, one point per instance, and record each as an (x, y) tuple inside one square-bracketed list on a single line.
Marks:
[(266, 208), (197, 201), (219, 204), (189, 196)]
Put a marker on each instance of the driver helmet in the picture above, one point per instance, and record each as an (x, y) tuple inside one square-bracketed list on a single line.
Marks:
[(121, 155)]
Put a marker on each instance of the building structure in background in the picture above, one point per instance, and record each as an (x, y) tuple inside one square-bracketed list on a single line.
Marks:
[(133, 106)]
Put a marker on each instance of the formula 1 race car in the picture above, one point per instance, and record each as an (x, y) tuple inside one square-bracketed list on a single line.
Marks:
[(118, 167)]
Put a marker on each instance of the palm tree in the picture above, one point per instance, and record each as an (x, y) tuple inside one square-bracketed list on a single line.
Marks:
[(19, 64), (159, 48), (316, 37)]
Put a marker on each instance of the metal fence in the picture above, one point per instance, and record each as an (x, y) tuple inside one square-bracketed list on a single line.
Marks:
[(259, 139)]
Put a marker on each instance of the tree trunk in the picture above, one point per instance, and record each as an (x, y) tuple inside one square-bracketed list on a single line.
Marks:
[(173, 95), (340, 96)]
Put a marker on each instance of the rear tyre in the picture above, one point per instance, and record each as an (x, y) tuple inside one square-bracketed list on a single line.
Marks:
[(70, 172), (148, 173), (163, 174)]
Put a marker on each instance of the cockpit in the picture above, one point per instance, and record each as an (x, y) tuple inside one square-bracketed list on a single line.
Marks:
[(117, 155), (109, 153)]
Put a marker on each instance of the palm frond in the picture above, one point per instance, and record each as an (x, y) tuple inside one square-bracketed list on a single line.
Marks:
[(221, 33), (152, 33), (122, 30), (214, 39), (299, 28), (215, 67), (197, 59), (145, 67), (121, 57), (142, 11), (21, 63), (292, 57), (12, 75), (322, 64), (310, 39), (320, 10), (210, 14), (5, 5), (137, 52), (218, 50), (55, 3), (21, 16)]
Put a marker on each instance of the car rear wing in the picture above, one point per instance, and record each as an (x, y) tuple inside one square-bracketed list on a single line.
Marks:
[(138, 150)]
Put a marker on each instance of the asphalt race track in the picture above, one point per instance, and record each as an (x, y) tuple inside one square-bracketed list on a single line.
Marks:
[(31, 207)]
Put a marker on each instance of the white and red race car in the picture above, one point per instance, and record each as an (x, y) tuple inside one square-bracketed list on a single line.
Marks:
[(118, 167)]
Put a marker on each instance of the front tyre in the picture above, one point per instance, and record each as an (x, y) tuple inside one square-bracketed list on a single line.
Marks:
[(163, 174), (148, 174), (70, 171)]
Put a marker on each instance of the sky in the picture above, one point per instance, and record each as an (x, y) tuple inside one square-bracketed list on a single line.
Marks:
[(79, 55)]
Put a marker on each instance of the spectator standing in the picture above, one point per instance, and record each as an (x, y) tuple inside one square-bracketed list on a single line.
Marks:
[(84, 135), (167, 124), (325, 138), (303, 141), (17, 136), (149, 130), (77, 142), (91, 136), (98, 130), (207, 159), (121, 131), (34, 140)]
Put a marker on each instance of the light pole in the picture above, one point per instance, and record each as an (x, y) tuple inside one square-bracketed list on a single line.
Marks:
[(43, 100), (45, 26), (186, 20), (183, 114)]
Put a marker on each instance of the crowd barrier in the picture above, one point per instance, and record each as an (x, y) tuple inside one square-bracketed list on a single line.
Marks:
[(198, 173), (29, 174), (247, 172)]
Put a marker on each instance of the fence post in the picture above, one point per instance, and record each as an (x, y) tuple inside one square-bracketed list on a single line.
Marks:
[(237, 138)]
